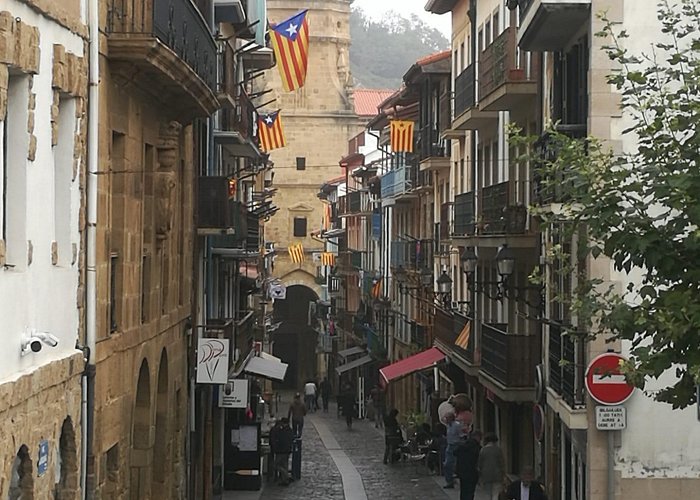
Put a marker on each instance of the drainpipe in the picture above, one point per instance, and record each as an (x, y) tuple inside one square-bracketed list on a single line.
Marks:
[(88, 379)]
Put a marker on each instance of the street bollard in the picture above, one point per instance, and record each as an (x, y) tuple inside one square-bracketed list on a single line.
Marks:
[(296, 459)]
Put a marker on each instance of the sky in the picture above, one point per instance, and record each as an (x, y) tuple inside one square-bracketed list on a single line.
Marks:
[(376, 8)]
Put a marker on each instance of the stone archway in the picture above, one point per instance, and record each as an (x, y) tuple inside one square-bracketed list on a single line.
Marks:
[(161, 462), (21, 476), (296, 339), (141, 439), (67, 485)]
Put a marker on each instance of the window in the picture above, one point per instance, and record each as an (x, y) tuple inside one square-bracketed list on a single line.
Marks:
[(113, 263), (301, 163), (496, 27), (63, 180), (300, 226), (480, 41), (145, 288), (487, 34), (462, 57)]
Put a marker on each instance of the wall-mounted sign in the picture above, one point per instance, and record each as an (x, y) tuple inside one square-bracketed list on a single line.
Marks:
[(42, 463), (610, 418), (278, 291), (605, 381), (212, 361), (234, 394)]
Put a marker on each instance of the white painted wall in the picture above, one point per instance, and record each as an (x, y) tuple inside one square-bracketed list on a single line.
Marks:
[(659, 442), (40, 296)]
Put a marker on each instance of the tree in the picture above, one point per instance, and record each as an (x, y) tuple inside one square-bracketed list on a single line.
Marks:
[(640, 209)]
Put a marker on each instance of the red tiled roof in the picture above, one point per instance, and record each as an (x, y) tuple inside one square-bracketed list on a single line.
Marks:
[(438, 56), (367, 100)]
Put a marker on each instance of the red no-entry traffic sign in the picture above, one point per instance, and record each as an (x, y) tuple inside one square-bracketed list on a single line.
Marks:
[(605, 382)]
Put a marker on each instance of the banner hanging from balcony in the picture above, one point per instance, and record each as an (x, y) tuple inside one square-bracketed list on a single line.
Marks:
[(463, 338), (290, 41), (328, 259), (296, 252), (377, 288), (270, 131), (401, 136)]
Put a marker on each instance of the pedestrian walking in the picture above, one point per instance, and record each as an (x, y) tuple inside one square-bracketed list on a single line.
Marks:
[(281, 441), (318, 395), (310, 395), (526, 488), (297, 411), (378, 401), (467, 464), (454, 436), (392, 436), (325, 390), (491, 469), (348, 405)]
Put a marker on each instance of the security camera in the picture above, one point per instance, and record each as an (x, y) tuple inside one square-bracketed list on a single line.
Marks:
[(36, 341)]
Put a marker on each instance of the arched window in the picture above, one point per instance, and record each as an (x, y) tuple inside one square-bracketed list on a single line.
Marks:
[(21, 476)]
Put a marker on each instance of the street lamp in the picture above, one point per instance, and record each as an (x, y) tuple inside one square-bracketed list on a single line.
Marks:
[(444, 283), (505, 262), (469, 260)]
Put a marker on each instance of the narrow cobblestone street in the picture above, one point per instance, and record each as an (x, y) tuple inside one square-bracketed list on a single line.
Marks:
[(340, 464)]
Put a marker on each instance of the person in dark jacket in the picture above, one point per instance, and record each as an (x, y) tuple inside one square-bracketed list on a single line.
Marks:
[(526, 488), (348, 405), (491, 468), (282, 438), (392, 436), (325, 393), (297, 411), (467, 469)]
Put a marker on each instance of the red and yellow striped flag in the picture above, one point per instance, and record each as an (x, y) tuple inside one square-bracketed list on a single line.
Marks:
[(401, 136), (463, 339), (270, 131), (290, 41), (296, 252), (328, 259), (377, 289)]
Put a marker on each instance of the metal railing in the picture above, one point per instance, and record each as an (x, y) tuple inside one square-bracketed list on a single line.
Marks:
[(565, 367), (431, 145), (507, 357), (504, 207), (465, 90), (397, 181), (177, 24), (463, 224), (502, 62)]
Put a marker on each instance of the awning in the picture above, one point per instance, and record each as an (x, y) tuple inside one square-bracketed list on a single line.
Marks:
[(353, 364), (417, 362), (350, 351), (267, 368)]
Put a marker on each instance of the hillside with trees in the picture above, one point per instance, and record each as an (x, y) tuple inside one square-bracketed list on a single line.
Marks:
[(383, 50)]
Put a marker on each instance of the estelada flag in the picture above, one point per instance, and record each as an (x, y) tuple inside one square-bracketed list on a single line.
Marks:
[(463, 338), (377, 289), (401, 136), (290, 41), (270, 131)]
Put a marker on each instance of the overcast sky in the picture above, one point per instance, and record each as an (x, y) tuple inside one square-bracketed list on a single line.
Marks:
[(376, 8)]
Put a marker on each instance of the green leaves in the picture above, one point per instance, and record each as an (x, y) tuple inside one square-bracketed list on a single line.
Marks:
[(640, 210)]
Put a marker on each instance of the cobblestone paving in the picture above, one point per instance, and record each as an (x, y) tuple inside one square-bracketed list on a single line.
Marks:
[(364, 445), (320, 479)]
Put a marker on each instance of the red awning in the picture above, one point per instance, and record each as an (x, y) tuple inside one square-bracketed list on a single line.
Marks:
[(415, 363)]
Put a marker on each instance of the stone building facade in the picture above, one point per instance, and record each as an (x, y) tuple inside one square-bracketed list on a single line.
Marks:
[(318, 120), (43, 86)]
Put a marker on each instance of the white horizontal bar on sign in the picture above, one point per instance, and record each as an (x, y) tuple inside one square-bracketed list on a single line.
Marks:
[(609, 379)]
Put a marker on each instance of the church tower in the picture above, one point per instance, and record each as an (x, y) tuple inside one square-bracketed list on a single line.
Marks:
[(318, 121)]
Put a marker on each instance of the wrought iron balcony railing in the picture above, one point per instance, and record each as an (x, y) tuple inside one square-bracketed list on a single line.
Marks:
[(464, 220), (465, 90), (507, 357)]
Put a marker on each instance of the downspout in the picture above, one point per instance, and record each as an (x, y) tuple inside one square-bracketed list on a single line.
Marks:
[(88, 380)]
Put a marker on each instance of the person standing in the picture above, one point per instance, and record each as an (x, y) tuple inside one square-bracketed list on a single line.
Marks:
[(454, 436), (392, 436), (310, 395), (348, 403), (325, 390), (297, 411), (491, 468), (377, 395), (282, 439), (467, 469), (526, 488)]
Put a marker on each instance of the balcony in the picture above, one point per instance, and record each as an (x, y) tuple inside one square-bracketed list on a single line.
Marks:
[(354, 203), (433, 152), (235, 128), (549, 25), (165, 48), (416, 255), (217, 213), (445, 213), (504, 208), (467, 115), (566, 370), (507, 75), (397, 182), (464, 215), (551, 190), (509, 360)]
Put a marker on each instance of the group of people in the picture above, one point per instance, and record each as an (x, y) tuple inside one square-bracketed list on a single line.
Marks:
[(313, 391)]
